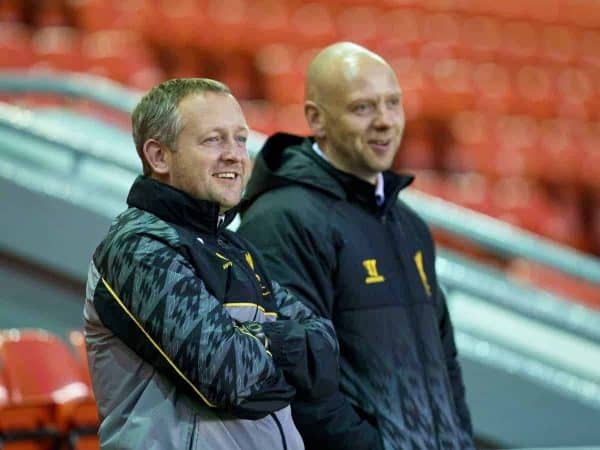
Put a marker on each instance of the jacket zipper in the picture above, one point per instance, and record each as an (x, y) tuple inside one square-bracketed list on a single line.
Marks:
[(249, 273), (191, 447), (280, 430), (414, 331)]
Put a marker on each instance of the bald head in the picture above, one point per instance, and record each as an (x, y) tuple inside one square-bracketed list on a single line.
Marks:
[(354, 109), (335, 66)]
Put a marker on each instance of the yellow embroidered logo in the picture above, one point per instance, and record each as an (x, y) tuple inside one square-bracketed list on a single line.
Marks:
[(249, 260), (372, 275), (419, 263), (227, 264)]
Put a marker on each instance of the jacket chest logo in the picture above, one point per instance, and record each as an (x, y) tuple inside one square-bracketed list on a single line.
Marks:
[(419, 263), (227, 263), (373, 276)]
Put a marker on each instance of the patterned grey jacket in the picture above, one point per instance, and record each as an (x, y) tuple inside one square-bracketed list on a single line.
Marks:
[(190, 344)]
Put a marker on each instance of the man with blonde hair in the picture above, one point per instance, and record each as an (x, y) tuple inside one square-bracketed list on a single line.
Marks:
[(190, 344)]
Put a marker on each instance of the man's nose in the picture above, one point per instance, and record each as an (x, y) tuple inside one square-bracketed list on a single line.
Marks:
[(234, 150), (384, 118)]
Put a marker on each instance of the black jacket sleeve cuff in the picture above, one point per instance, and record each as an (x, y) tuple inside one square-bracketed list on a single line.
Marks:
[(307, 361)]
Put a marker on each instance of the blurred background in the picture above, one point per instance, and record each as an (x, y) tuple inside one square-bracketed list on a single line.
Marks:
[(503, 133)]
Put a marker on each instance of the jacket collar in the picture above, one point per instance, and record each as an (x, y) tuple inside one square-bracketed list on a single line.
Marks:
[(357, 190), (175, 206)]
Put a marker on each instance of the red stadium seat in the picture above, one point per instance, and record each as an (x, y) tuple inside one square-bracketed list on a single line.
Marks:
[(429, 181), (575, 90), (3, 390), (312, 25), (559, 154), (442, 30), (120, 55), (176, 24), (43, 382), (479, 38), (97, 15), (397, 3), (227, 25), (520, 201), (508, 9), (534, 91), (399, 33), (545, 11), (290, 119), (239, 74), (83, 420), (588, 167), (588, 48), (410, 74), (520, 42), (584, 13), (77, 340), (15, 46), (451, 79), (358, 24), (471, 190), (515, 150), (48, 393), (417, 148), (49, 13), (414, 82), (493, 89), (595, 224), (260, 115), (11, 11), (282, 81), (268, 21), (558, 44), (58, 48), (473, 144)]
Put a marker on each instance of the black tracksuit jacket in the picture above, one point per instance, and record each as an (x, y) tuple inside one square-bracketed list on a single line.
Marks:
[(371, 270)]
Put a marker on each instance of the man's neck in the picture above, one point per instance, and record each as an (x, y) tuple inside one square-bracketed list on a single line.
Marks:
[(373, 179)]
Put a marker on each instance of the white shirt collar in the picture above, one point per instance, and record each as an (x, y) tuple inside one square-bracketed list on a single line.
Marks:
[(379, 191)]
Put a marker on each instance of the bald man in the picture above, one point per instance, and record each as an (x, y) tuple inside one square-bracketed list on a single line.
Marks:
[(324, 210)]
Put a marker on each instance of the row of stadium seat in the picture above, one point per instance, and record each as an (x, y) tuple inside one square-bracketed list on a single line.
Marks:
[(277, 71), (389, 32), (341, 14), (523, 202), (46, 400)]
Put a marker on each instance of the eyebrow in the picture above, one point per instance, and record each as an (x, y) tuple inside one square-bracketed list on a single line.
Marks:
[(398, 93), (221, 129)]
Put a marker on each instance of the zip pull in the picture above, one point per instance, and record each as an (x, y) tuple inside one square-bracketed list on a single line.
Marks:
[(220, 220)]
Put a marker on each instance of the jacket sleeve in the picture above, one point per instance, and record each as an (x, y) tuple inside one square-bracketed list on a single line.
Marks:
[(303, 345), (151, 298), (302, 257)]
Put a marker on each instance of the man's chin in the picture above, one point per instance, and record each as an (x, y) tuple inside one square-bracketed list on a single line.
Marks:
[(227, 205), (382, 166)]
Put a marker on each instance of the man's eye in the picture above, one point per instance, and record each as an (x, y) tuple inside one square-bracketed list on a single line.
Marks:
[(393, 102), (241, 139), (362, 108), (212, 139)]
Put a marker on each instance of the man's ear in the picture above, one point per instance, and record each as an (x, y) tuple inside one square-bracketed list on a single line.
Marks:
[(156, 157), (314, 117)]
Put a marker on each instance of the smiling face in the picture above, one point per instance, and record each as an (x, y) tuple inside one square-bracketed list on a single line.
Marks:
[(361, 119), (210, 161)]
